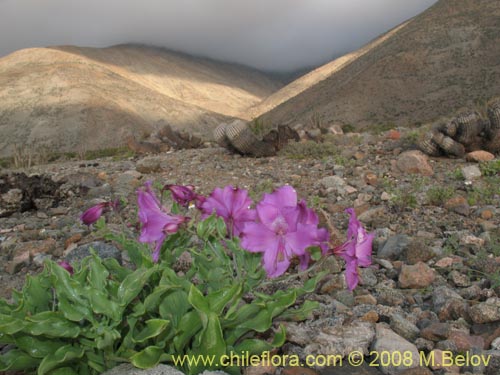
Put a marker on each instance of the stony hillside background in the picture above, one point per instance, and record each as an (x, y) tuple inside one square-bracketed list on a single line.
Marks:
[(72, 97), (444, 59)]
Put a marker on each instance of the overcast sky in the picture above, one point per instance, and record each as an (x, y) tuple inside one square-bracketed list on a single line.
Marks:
[(266, 34)]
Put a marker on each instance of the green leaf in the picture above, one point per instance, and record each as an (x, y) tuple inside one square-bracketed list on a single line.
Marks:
[(218, 300), (253, 346), (221, 228), (101, 304), (118, 273), (64, 371), (62, 356), (302, 313), (279, 337), (17, 360), (154, 327), (10, 325), (315, 252), (147, 358), (74, 312), (133, 284), (37, 348), (37, 296), (98, 274), (108, 338), (64, 285), (5, 308), (51, 324), (174, 306), (189, 325), (153, 300), (197, 300)]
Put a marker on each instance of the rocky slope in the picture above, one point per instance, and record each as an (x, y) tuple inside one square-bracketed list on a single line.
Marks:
[(69, 97), (439, 61), (435, 280)]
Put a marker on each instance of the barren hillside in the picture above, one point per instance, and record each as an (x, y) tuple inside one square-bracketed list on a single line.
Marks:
[(445, 58), (69, 97)]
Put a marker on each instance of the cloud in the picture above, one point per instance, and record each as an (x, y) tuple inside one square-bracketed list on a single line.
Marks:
[(266, 34)]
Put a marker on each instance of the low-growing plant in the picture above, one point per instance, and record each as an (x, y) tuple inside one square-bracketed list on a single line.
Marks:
[(309, 150), (206, 289), (490, 168), (438, 195), (456, 174)]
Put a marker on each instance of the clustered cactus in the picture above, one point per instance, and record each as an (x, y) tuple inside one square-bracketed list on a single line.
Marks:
[(238, 137), (466, 132)]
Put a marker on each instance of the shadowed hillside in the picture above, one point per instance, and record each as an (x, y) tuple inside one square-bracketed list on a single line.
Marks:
[(445, 58), (69, 97)]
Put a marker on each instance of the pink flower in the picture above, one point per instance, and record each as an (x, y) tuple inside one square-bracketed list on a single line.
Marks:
[(356, 251), (283, 231), (233, 205), (93, 214), (182, 194), (66, 266), (156, 224)]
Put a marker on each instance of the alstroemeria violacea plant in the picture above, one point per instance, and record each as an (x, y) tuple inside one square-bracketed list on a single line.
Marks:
[(204, 291)]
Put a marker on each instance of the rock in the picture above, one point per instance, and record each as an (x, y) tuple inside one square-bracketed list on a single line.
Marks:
[(458, 204), (326, 339), (102, 249), (372, 214), (394, 247), (418, 251), (295, 370), (18, 262), (389, 296), (149, 165), (128, 369), (416, 371), (459, 279), (436, 331), (486, 312), (479, 156), (464, 342), (471, 172), (261, 369), (414, 162), (365, 299), (416, 276), (404, 328), (493, 367), (371, 178), (387, 340)]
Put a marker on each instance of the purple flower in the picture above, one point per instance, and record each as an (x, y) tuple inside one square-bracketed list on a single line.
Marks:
[(156, 224), (93, 214), (233, 205), (182, 194), (357, 250), (283, 231), (66, 266)]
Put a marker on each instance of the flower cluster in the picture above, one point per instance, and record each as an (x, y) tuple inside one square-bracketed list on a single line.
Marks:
[(280, 227), (283, 230)]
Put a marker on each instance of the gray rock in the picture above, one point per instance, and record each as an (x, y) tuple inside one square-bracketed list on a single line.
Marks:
[(471, 172), (404, 328), (486, 312), (102, 249), (386, 340), (128, 369), (368, 277), (441, 295), (149, 165), (394, 247)]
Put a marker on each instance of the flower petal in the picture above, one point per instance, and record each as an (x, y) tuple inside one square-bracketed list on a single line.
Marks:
[(258, 238)]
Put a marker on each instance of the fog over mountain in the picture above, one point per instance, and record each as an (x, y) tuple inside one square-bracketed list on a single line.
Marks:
[(280, 35)]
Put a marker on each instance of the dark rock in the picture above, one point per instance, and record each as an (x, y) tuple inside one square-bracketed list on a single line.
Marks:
[(102, 249), (394, 247)]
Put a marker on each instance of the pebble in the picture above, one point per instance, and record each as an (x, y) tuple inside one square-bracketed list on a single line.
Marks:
[(416, 276)]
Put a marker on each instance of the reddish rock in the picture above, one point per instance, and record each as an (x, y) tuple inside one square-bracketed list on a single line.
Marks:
[(73, 239), (33, 248), (365, 299), (465, 342), (416, 276), (394, 134), (479, 156), (296, 370), (414, 162), (459, 205), (19, 261), (436, 331), (371, 178), (371, 317)]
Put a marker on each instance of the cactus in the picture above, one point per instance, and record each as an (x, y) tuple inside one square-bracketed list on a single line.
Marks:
[(238, 137), (466, 132)]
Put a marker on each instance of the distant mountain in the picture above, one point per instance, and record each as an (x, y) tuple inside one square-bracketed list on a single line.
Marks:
[(69, 97), (446, 58)]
